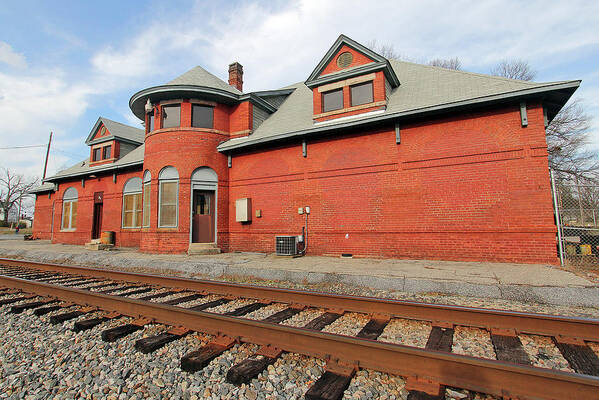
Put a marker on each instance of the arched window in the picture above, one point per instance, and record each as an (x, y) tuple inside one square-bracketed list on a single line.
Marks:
[(132, 203), (69, 209), (146, 211), (168, 207)]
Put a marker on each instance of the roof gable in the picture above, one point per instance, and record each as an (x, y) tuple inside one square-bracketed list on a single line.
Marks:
[(114, 130), (363, 61)]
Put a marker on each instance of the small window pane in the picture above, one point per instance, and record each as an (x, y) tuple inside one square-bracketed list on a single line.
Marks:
[(332, 100), (97, 154), (171, 116), (107, 151), (129, 199), (361, 94), (73, 214), (146, 205), (202, 116), (138, 219), (66, 215), (128, 220), (168, 215), (169, 193)]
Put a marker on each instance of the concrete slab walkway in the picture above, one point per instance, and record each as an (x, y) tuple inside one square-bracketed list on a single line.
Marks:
[(522, 282)]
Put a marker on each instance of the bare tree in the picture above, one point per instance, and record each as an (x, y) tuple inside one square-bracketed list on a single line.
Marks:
[(514, 69), (568, 132), (567, 139), (449, 63), (14, 187), (385, 50)]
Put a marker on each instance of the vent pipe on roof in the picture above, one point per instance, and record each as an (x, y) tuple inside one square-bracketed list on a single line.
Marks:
[(236, 75)]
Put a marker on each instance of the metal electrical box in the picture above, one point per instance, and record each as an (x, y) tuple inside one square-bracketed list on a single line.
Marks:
[(243, 210)]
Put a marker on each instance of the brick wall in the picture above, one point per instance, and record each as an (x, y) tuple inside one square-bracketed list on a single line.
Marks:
[(470, 187), (48, 209)]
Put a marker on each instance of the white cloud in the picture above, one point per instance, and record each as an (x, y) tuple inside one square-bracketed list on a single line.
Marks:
[(31, 106), (10, 57), (279, 44)]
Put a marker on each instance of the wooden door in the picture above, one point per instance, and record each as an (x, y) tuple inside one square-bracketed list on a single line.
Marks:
[(203, 217), (98, 210)]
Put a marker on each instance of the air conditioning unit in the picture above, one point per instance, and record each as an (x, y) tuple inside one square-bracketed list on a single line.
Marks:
[(286, 245)]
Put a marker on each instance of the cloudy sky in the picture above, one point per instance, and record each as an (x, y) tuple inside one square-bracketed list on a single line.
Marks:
[(64, 63)]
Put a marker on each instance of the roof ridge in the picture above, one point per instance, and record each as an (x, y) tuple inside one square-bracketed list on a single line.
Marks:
[(120, 123)]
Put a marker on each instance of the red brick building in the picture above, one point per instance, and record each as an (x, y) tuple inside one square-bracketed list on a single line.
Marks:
[(392, 159)]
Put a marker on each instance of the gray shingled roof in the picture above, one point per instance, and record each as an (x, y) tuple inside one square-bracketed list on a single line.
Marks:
[(135, 157), (44, 187), (117, 130), (422, 86), (198, 76)]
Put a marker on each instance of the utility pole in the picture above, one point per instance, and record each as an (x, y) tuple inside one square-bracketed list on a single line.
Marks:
[(47, 154)]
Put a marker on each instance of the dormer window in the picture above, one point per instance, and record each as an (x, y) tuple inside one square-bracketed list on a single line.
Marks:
[(97, 154), (202, 116), (171, 116), (332, 100), (362, 94), (107, 152)]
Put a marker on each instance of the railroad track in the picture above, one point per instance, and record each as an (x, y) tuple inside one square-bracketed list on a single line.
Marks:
[(235, 313)]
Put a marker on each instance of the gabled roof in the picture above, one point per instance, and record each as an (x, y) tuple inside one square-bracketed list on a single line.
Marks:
[(425, 89), (379, 63), (117, 131), (82, 168), (198, 76)]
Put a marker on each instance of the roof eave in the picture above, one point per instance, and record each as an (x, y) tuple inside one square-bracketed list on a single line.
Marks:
[(536, 92), (106, 168), (179, 91)]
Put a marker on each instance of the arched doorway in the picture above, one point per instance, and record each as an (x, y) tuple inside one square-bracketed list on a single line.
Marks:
[(204, 184)]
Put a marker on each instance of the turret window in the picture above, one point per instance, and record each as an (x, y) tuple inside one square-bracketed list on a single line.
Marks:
[(202, 116), (332, 100), (171, 116)]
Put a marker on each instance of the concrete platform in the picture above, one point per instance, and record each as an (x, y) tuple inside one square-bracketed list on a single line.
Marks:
[(522, 282)]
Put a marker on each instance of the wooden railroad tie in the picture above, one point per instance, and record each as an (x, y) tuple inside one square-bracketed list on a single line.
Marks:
[(113, 334), (153, 343), (26, 306), (334, 381), (86, 324), (581, 357), (251, 367), (197, 360)]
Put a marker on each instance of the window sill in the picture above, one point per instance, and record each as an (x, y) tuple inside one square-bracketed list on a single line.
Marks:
[(350, 109), (69, 230)]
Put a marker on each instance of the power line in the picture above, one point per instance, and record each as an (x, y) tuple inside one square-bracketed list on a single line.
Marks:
[(22, 147)]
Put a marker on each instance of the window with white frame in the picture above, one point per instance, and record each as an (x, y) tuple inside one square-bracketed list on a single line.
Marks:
[(132, 204), (168, 197), (69, 209), (146, 198)]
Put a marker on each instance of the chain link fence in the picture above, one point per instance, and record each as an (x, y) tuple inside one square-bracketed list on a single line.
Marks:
[(577, 206)]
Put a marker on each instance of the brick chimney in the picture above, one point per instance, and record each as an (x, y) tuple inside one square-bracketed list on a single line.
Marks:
[(236, 75)]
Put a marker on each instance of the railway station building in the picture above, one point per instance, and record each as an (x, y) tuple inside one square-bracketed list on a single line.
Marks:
[(368, 156)]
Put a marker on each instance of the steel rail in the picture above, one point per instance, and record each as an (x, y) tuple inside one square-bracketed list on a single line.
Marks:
[(482, 375), (522, 322)]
